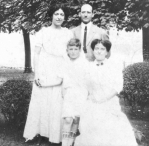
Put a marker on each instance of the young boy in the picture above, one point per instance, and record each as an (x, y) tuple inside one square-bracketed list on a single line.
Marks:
[(71, 75)]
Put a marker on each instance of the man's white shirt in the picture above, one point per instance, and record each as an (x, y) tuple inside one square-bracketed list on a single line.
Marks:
[(82, 30)]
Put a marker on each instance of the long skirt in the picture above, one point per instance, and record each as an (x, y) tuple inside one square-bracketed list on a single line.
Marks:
[(45, 109)]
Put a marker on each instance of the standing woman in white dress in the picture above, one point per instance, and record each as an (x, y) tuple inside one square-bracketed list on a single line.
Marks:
[(45, 109), (102, 123)]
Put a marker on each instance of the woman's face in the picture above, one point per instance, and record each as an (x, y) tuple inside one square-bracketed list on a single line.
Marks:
[(100, 52), (58, 17)]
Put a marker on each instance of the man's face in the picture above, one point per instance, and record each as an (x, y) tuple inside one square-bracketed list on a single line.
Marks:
[(73, 52), (86, 13), (58, 17), (100, 52)]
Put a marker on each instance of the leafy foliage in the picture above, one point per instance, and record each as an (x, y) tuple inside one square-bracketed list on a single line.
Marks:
[(134, 98), (106, 12), (137, 14), (22, 13), (14, 101), (32, 14), (136, 84)]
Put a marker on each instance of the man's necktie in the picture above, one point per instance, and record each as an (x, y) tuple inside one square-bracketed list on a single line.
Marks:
[(84, 41)]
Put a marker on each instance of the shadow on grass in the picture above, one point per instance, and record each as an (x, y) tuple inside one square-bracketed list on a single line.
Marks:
[(10, 136), (142, 131)]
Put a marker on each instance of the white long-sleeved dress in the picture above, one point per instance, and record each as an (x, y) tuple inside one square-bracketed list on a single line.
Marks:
[(45, 109), (104, 124)]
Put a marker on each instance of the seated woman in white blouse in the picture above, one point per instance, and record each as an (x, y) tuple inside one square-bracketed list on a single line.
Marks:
[(102, 122)]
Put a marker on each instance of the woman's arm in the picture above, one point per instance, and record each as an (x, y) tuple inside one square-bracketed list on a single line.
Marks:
[(39, 82), (36, 61), (107, 96), (36, 64), (52, 82)]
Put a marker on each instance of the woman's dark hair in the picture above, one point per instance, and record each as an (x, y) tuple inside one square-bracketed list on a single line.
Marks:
[(105, 43), (56, 7)]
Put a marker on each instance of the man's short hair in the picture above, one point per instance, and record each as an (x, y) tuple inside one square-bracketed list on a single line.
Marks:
[(88, 5)]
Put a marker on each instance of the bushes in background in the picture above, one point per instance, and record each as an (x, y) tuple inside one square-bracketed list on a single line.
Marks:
[(15, 94), (14, 101), (136, 87)]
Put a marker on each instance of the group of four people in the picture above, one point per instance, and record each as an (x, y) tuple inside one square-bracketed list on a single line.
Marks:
[(76, 84)]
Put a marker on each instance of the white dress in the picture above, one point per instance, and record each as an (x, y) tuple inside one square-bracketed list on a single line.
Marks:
[(45, 109), (104, 124)]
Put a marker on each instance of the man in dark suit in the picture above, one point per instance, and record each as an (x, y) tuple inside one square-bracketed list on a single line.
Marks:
[(87, 31)]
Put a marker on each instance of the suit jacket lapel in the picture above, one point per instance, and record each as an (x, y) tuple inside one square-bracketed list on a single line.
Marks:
[(91, 33), (78, 32)]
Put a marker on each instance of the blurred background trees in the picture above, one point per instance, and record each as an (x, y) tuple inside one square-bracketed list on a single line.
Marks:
[(29, 16), (138, 18)]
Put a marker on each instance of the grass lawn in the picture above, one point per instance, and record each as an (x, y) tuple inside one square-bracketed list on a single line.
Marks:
[(143, 126), (13, 73), (13, 137)]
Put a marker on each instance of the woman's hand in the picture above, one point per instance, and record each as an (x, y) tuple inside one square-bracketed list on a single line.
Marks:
[(46, 83), (37, 82), (40, 82)]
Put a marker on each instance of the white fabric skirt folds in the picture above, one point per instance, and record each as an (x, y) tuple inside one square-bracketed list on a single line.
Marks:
[(45, 109), (105, 125)]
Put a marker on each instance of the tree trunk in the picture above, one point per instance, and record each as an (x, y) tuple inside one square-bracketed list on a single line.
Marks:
[(28, 68), (145, 34)]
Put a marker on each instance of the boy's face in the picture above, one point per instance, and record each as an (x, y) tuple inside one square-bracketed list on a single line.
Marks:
[(73, 52)]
